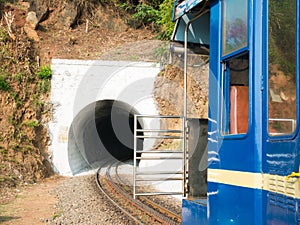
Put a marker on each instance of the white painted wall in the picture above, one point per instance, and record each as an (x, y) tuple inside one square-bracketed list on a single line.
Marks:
[(77, 83)]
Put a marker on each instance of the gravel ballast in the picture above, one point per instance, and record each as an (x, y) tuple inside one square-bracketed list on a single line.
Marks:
[(81, 202)]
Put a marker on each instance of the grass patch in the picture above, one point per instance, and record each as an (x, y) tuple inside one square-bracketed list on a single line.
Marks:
[(4, 85), (45, 72), (31, 123)]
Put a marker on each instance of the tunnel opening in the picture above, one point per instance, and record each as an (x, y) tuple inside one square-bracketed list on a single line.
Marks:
[(102, 131)]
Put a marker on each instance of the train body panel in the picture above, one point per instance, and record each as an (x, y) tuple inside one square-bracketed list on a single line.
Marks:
[(253, 129), (194, 212)]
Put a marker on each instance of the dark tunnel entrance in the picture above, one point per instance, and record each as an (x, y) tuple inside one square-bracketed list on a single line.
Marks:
[(102, 130)]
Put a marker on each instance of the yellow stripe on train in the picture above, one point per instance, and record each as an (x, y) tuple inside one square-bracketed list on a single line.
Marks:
[(269, 182)]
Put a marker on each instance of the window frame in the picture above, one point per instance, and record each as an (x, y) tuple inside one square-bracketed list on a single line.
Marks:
[(225, 95), (283, 136), (223, 36), (224, 58)]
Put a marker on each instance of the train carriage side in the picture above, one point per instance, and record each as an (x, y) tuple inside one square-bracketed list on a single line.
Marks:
[(253, 129)]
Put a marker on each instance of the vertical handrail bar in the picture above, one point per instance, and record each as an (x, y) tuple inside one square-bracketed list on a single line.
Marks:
[(134, 156), (184, 158)]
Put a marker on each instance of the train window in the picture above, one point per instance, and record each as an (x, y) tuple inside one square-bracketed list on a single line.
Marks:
[(282, 67), (236, 95), (234, 25)]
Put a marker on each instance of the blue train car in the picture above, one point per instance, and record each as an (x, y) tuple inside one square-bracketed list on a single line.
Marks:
[(253, 127)]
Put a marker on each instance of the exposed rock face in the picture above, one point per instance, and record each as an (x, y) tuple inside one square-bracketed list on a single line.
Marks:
[(41, 8), (169, 92), (32, 20), (23, 136), (169, 88), (70, 13), (30, 26), (23, 97)]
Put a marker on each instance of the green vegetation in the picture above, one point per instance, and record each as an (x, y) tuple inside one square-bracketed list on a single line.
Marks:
[(3, 35), (165, 21), (3, 151), (44, 86), (145, 15), (156, 14), (4, 85), (31, 123), (45, 75), (45, 72)]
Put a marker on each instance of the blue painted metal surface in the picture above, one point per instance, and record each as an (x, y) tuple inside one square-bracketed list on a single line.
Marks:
[(194, 212), (182, 7), (254, 152), (233, 205), (280, 210)]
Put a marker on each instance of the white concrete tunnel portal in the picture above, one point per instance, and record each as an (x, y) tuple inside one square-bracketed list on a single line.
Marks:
[(94, 106), (102, 130)]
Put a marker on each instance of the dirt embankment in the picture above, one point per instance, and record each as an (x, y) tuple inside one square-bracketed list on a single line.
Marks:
[(24, 109), (169, 90)]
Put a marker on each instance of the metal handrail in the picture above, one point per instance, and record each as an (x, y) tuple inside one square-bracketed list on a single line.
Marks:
[(292, 121), (159, 131), (140, 176), (163, 151), (159, 137), (160, 158)]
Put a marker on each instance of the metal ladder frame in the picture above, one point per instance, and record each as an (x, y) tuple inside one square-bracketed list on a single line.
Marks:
[(180, 154)]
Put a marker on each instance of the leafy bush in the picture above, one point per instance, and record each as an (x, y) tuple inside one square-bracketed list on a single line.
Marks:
[(4, 86), (156, 14), (145, 15), (45, 72), (165, 19), (154, 3)]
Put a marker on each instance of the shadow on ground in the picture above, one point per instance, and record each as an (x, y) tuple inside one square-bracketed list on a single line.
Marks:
[(7, 218)]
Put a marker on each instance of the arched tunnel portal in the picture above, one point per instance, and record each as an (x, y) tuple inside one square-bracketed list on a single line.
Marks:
[(101, 131)]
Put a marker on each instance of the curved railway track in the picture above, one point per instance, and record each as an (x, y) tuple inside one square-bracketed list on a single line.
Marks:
[(142, 210)]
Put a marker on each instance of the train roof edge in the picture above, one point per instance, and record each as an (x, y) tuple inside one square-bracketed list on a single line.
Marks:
[(183, 6)]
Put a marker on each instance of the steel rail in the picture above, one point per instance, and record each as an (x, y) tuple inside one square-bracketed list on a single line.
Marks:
[(154, 212), (159, 217), (150, 202), (112, 200)]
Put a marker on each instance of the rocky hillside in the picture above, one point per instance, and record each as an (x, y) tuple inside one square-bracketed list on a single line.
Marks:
[(169, 91), (24, 108)]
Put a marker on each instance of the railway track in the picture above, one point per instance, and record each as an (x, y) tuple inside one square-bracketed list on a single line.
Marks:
[(142, 210)]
